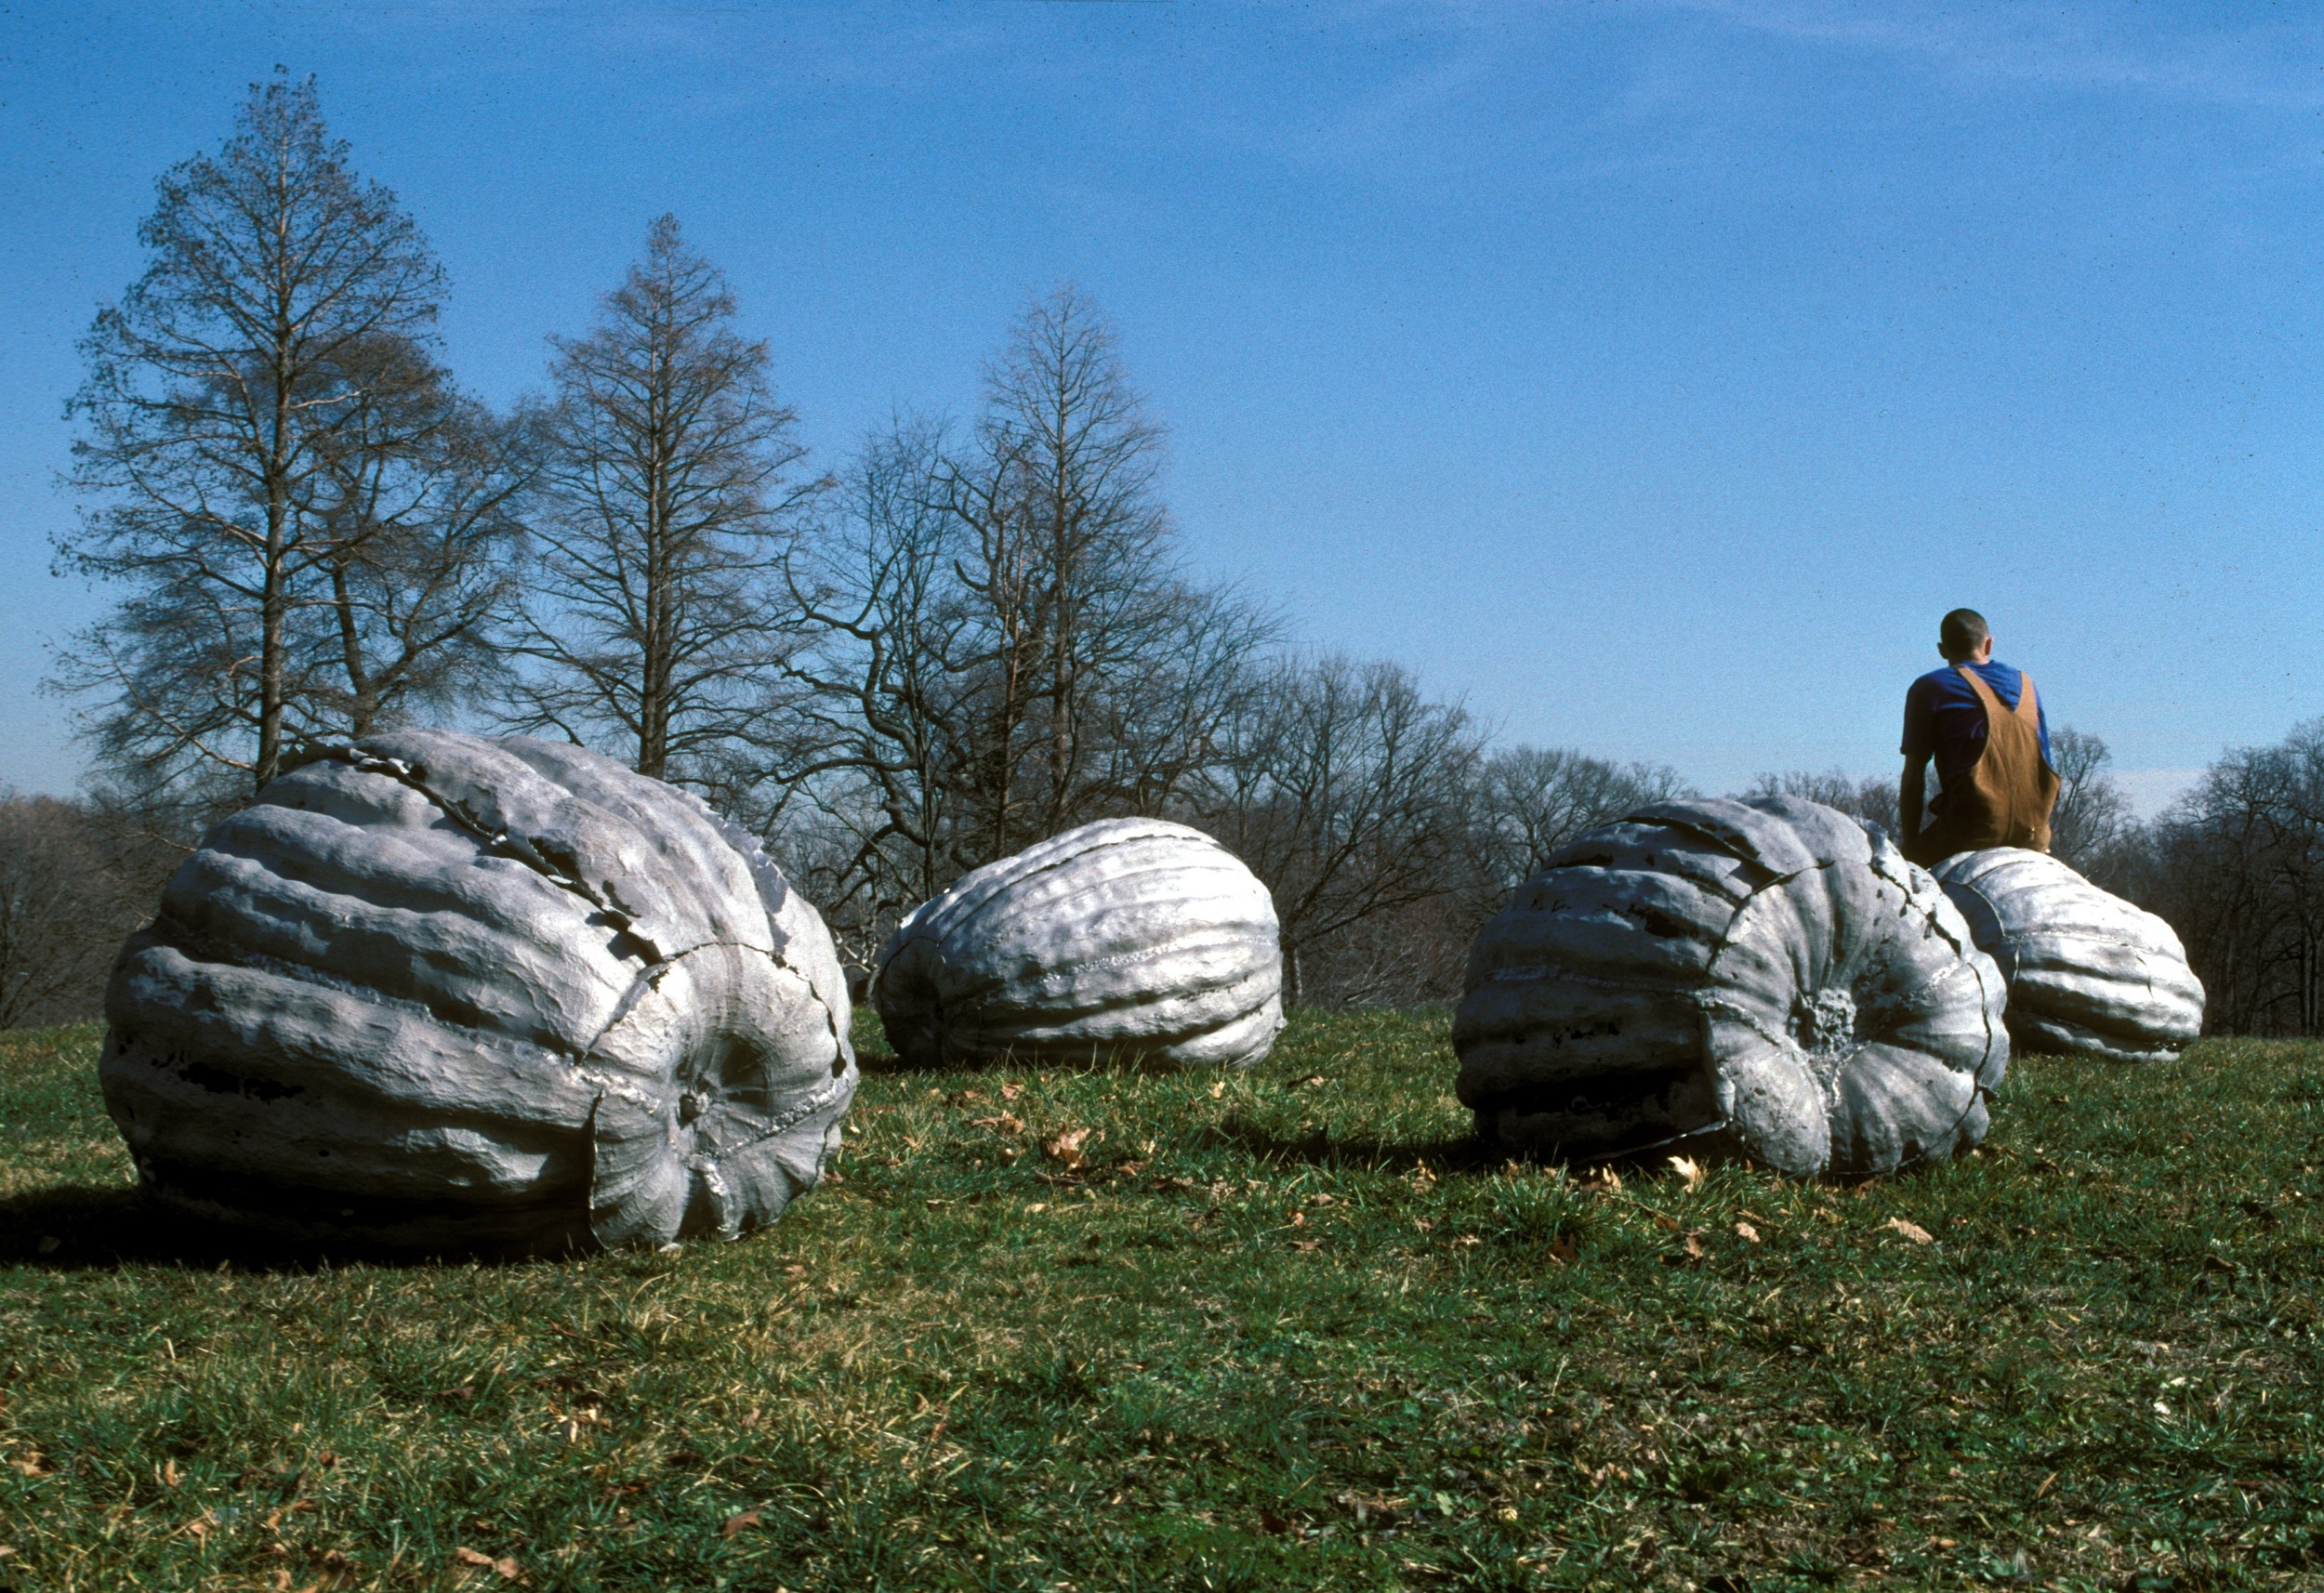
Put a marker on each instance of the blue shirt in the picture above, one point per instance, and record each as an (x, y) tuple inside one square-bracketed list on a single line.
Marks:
[(1944, 718)]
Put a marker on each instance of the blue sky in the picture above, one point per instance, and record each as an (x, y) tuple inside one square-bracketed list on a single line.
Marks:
[(1649, 375)]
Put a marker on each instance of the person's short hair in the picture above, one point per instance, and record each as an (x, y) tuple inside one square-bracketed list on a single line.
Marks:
[(1961, 633)]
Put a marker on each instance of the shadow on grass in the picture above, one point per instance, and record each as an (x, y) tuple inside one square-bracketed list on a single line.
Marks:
[(72, 1228), (76, 1226), (886, 1063)]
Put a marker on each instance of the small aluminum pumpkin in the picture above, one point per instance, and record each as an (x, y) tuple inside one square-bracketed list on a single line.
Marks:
[(2089, 974), (1128, 939), (1765, 978), (435, 990)]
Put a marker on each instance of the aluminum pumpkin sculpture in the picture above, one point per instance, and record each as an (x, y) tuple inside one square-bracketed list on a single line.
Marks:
[(2089, 974), (435, 990), (1128, 939), (1765, 978)]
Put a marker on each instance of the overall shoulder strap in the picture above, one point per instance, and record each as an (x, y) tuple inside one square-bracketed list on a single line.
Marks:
[(1984, 691), (2027, 706)]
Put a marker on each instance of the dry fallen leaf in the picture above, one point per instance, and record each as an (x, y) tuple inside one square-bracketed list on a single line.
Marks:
[(1911, 1231), (1746, 1230), (736, 1525), (1564, 1252), (1604, 1179), (1011, 1091), (1007, 1123), (1217, 1089), (1694, 1246), (1688, 1168), (1066, 1147), (505, 1567), (469, 1557)]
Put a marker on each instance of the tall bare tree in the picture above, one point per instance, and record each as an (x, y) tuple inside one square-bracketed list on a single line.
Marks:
[(232, 397), (1068, 562), (882, 734), (666, 496), (420, 529), (2093, 815), (1347, 792), (2236, 866), (1004, 644)]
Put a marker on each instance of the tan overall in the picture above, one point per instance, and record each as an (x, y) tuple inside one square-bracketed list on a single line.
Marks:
[(2005, 799)]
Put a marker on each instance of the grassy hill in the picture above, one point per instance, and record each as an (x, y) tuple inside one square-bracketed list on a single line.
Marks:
[(1272, 1331)]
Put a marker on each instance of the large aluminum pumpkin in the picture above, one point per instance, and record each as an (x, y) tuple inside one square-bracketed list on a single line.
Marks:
[(1128, 939), (2089, 974), (437, 990), (1767, 978)]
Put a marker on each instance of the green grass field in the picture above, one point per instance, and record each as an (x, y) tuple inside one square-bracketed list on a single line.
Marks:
[(1275, 1331)]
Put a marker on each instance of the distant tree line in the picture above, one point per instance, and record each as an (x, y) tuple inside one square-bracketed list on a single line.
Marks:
[(967, 637)]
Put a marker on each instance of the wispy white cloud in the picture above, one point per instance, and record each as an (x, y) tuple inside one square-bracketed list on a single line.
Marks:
[(2273, 65), (893, 46)]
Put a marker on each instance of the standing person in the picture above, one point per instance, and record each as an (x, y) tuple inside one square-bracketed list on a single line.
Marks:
[(1982, 723)]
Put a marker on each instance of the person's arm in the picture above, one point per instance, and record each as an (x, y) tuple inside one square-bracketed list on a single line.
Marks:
[(1910, 793)]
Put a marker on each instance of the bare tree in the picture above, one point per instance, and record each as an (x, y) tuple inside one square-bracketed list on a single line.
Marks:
[(2236, 866), (1004, 642), (73, 883), (1067, 564), (2093, 814), (881, 737), (226, 394), (666, 499), (1531, 801), (1869, 798), (1347, 791), (418, 539)]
